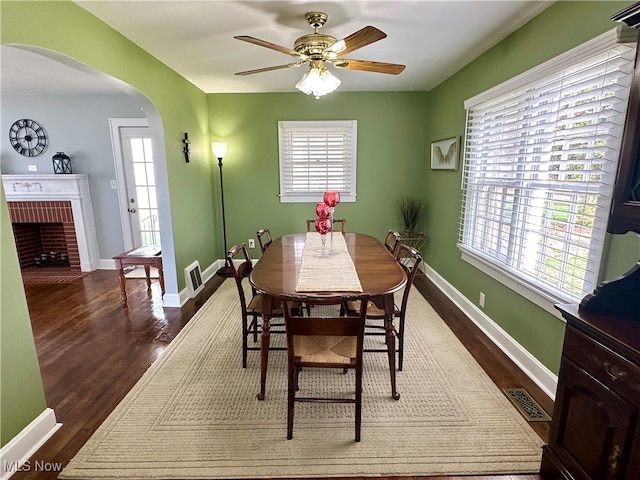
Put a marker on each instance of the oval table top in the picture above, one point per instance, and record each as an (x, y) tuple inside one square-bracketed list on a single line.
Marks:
[(276, 272)]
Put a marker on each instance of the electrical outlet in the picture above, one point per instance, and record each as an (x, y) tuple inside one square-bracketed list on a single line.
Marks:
[(114, 185), (32, 168), (252, 243), (481, 301)]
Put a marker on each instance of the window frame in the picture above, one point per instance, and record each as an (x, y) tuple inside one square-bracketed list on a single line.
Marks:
[(546, 298), (349, 128)]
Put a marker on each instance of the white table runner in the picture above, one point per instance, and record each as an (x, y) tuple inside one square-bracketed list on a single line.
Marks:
[(334, 273)]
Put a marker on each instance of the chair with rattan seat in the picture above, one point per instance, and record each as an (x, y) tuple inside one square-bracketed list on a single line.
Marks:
[(326, 341), (392, 241), (410, 260), (251, 309), (264, 238), (343, 225)]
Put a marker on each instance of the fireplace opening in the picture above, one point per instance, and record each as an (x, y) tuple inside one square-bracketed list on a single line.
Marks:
[(41, 245), (45, 234)]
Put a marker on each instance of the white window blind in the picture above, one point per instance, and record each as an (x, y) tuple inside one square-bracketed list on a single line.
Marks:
[(539, 163), (316, 157)]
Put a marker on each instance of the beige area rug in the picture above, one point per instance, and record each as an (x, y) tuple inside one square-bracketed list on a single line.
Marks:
[(194, 413)]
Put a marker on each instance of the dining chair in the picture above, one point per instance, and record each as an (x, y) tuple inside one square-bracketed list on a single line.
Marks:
[(241, 266), (343, 225), (264, 238), (324, 341), (392, 241), (410, 260)]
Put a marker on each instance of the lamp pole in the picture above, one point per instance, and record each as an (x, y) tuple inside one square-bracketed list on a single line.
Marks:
[(220, 150)]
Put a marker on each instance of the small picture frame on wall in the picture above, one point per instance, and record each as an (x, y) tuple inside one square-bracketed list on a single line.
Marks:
[(444, 154)]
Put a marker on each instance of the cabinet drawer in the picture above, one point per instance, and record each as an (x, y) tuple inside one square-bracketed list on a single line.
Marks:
[(609, 368)]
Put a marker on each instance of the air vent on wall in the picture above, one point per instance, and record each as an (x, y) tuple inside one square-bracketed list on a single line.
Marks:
[(193, 279)]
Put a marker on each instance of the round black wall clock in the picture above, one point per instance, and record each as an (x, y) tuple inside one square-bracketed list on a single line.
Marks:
[(27, 137)]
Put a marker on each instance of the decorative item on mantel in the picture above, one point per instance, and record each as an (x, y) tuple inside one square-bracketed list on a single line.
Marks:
[(61, 163)]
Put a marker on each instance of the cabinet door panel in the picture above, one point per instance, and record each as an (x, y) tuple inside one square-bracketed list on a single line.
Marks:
[(595, 425), (633, 466)]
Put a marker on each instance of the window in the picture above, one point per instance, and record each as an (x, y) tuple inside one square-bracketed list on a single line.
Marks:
[(316, 157), (540, 159)]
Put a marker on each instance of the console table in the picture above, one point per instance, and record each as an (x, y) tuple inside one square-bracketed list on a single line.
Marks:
[(145, 256)]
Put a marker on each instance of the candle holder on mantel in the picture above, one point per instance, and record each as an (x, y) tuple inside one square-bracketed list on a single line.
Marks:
[(61, 163)]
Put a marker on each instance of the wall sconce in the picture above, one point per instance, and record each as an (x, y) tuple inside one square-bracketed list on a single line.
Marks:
[(61, 163), (187, 147)]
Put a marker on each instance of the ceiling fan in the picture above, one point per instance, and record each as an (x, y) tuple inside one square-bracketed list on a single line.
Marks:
[(318, 49)]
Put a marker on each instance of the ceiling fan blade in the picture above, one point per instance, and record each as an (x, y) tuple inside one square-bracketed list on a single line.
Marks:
[(272, 46), (359, 39), (268, 69), (369, 66)]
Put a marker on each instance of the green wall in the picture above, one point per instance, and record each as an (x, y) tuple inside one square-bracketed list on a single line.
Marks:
[(391, 157), (559, 28), (21, 391)]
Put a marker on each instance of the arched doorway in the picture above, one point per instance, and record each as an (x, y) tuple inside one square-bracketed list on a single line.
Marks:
[(75, 102)]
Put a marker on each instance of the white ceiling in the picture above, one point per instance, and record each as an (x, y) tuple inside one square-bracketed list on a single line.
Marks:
[(434, 39)]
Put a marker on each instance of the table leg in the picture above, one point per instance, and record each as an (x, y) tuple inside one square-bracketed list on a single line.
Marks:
[(391, 343), (123, 280), (267, 303), (161, 278), (147, 271)]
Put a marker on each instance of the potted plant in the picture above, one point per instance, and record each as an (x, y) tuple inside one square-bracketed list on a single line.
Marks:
[(411, 209)]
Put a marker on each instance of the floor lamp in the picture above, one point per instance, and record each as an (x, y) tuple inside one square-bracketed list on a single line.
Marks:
[(220, 150)]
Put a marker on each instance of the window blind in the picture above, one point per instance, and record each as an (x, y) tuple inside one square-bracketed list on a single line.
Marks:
[(539, 164), (316, 157)]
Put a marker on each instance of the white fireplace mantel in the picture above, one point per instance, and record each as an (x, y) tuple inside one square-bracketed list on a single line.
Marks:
[(64, 187)]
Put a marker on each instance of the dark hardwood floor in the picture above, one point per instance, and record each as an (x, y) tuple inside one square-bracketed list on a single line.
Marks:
[(92, 351)]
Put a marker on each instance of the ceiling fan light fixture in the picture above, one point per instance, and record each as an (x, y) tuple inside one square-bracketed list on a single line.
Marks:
[(318, 81)]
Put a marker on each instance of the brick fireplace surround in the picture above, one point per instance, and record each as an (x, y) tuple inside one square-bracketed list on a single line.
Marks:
[(53, 213), (40, 227)]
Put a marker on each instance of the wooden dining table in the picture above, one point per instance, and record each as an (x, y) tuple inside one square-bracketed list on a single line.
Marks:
[(276, 276)]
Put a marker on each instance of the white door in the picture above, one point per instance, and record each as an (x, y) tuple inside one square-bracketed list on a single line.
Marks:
[(136, 183)]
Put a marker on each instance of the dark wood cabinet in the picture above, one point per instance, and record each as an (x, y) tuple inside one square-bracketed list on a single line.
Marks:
[(595, 433), (625, 208)]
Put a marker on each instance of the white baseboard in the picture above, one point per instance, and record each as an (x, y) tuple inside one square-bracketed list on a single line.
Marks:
[(15, 454), (531, 366), (107, 264)]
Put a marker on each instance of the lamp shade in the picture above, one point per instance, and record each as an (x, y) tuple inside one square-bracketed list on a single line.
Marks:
[(318, 81), (219, 149)]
